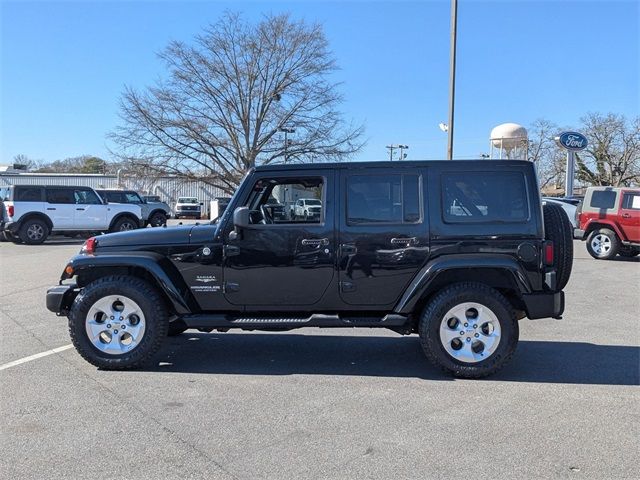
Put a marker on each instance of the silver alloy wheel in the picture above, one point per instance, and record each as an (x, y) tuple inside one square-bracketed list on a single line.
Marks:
[(115, 324), (601, 245), (470, 332), (35, 231), (127, 225)]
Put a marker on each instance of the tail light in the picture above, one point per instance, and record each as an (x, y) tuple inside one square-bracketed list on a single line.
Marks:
[(89, 246), (548, 253), (10, 210)]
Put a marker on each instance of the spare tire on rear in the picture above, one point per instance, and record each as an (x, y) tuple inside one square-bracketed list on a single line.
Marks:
[(558, 229)]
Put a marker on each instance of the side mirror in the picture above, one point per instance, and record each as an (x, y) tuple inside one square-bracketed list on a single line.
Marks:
[(241, 217), (240, 221)]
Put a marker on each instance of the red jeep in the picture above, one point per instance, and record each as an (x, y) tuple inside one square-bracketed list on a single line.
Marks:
[(609, 220)]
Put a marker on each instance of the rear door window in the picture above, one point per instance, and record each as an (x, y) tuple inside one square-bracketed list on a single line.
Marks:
[(60, 195), (484, 197), (383, 199), (631, 201)]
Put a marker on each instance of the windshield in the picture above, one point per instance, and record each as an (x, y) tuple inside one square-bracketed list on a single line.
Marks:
[(187, 200), (313, 202)]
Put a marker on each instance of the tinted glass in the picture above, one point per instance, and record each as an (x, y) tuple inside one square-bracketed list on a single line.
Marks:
[(484, 197), (631, 201), (60, 195), (132, 197), (28, 194), (86, 197), (603, 199), (383, 199)]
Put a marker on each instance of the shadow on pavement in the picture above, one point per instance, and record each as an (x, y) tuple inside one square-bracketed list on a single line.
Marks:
[(291, 354)]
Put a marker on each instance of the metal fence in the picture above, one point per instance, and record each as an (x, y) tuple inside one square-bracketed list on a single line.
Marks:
[(167, 188)]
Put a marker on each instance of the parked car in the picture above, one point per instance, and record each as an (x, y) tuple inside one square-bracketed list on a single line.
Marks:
[(188, 207), (153, 213), (569, 206), (32, 212), (387, 252), (609, 221), (308, 208)]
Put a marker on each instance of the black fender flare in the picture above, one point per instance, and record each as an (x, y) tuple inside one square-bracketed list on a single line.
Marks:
[(428, 275), (30, 215), (121, 215), (160, 269)]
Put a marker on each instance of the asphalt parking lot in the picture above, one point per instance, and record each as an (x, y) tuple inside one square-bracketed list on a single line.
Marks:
[(322, 403)]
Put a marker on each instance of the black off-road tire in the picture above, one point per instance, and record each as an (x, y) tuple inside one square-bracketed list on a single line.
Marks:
[(33, 231), (176, 328), (558, 229), (152, 306), (605, 234), (12, 238), (449, 297), (122, 224), (158, 219)]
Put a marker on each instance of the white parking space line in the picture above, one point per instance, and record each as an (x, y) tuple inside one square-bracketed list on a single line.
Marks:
[(20, 361)]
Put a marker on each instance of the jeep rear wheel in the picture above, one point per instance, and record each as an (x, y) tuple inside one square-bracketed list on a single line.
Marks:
[(34, 232), (118, 322), (469, 330), (603, 244), (558, 229)]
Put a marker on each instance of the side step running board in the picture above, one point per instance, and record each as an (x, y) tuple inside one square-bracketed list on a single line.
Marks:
[(315, 320)]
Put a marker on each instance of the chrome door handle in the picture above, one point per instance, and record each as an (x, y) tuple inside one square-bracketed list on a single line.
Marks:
[(404, 241), (315, 242)]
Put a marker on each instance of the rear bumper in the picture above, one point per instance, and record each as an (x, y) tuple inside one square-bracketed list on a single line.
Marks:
[(60, 298), (578, 234), (544, 305)]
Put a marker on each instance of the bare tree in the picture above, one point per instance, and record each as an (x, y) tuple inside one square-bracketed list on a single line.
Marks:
[(613, 154), (545, 153), (228, 97)]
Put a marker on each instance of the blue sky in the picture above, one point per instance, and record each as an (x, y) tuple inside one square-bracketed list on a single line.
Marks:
[(64, 65)]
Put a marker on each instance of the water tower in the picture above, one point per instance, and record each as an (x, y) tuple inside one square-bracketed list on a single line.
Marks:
[(511, 141)]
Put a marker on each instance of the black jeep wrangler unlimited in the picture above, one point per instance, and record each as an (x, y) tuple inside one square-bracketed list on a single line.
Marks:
[(456, 252)]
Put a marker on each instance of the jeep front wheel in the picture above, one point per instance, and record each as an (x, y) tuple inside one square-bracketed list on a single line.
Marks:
[(603, 244), (469, 330), (118, 322)]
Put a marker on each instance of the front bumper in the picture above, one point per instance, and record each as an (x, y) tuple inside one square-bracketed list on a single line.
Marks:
[(544, 305), (60, 298)]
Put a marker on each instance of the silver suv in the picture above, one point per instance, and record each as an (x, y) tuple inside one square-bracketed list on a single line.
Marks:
[(153, 213)]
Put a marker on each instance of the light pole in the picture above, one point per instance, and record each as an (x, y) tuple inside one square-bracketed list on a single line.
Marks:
[(452, 76), (286, 131), (391, 148), (403, 147)]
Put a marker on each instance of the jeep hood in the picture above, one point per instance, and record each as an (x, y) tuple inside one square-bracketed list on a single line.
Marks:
[(148, 236)]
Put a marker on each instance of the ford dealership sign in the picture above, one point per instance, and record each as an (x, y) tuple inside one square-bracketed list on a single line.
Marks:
[(573, 141)]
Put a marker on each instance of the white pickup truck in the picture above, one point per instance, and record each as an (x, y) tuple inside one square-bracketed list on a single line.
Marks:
[(30, 213)]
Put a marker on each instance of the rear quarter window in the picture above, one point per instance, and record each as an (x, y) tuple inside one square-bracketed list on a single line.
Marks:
[(484, 197), (603, 199), (28, 194)]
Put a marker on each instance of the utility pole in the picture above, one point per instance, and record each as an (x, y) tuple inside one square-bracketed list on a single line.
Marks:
[(452, 76), (391, 148), (286, 130)]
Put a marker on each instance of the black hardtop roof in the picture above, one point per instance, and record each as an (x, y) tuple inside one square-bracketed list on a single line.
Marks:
[(387, 164), (26, 185)]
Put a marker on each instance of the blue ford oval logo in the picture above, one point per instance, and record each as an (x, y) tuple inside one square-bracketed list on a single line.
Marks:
[(572, 141)]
